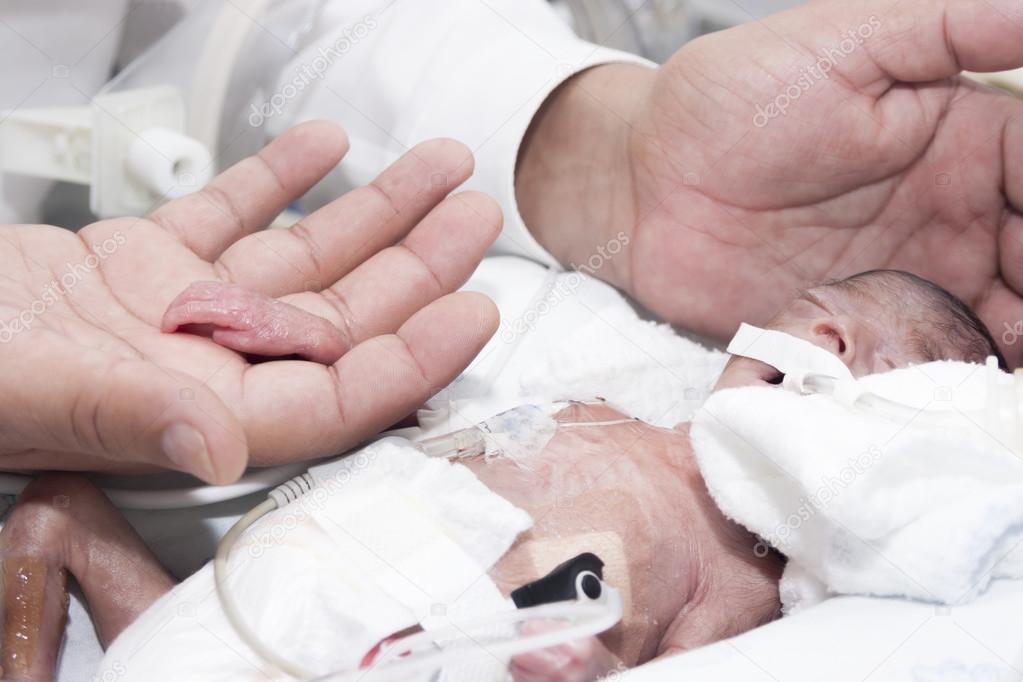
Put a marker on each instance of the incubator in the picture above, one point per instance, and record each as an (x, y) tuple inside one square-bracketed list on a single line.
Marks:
[(514, 434)]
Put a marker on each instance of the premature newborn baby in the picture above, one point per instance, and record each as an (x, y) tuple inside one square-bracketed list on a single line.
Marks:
[(692, 576)]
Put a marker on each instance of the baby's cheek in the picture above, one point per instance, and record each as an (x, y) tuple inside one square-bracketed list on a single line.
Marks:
[(251, 323)]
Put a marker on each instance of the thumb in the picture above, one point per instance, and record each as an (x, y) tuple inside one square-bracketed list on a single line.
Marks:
[(65, 397), (874, 43)]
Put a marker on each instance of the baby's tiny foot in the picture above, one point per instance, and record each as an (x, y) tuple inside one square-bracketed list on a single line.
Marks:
[(251, 323)]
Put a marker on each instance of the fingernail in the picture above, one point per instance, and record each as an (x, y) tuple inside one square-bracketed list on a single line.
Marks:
[(186, 448)]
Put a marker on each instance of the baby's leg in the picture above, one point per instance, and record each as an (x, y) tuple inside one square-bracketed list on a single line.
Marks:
[(63, 524), (252, 323)]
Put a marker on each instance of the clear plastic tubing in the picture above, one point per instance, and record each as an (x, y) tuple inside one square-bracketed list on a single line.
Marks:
[(1001, 415)]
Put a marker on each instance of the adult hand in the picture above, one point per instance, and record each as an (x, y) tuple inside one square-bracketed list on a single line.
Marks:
[(90, 382), (830, 139)]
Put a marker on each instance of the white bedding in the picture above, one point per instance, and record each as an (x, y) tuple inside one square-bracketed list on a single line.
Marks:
[(861, 639)]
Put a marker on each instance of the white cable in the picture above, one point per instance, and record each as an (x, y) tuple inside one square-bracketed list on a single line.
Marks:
[(591, 618), (851, 396), (609, 422), (178, 498), (228, 603)]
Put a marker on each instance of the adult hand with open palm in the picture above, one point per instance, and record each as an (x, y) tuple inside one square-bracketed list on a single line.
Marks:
[(830, 139), (91, 382)]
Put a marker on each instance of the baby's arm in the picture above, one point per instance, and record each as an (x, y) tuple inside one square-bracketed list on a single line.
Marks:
[(63, 524)]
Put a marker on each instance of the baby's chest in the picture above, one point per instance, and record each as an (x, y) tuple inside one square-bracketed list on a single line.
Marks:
[(621, 520)]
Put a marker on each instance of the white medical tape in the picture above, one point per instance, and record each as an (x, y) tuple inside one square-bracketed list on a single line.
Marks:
[(786, 353)]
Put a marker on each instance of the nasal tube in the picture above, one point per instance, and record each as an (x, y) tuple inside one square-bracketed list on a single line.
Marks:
[(811, 369), (1001, 415)]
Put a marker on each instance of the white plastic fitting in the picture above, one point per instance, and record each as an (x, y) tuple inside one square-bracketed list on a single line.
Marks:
[(128, 146), (169, 163)]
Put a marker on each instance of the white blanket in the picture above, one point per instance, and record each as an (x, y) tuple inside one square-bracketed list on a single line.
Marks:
[(393, 539), (927, 506)]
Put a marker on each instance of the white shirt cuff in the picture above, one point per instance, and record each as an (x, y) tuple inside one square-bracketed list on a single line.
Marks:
[(474, 71)]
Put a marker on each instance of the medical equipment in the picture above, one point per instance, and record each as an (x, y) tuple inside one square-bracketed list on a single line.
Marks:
[(569, 580), (810, 369), (515, 434), (573, 589), (177, 498), (589, 607), (173, 117)]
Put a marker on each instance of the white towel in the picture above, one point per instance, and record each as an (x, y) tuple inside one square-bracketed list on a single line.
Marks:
[(392, 539), (929, 508), (570, 335)]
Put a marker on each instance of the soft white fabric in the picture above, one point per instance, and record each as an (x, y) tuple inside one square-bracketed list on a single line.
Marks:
[(866, 639), (927, 504), (390, 540), (568, 335)]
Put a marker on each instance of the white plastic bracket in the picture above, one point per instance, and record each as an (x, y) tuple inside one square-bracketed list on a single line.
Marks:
[(129, 146)]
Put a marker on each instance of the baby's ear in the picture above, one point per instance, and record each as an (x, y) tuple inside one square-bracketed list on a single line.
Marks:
[(838, 334)]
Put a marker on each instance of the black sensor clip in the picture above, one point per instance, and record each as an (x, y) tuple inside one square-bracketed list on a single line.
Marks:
[(577, 578)]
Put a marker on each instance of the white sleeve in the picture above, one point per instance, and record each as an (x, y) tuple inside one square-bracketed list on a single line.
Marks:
[(398, 72)]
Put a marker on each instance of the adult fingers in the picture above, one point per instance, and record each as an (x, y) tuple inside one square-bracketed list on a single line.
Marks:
[(124, 410), (327, 244), (301, 410), (249, 195), (874, 43), (438, 256)]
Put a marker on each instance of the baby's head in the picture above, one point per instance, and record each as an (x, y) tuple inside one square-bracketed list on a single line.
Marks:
[(875, 321)]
